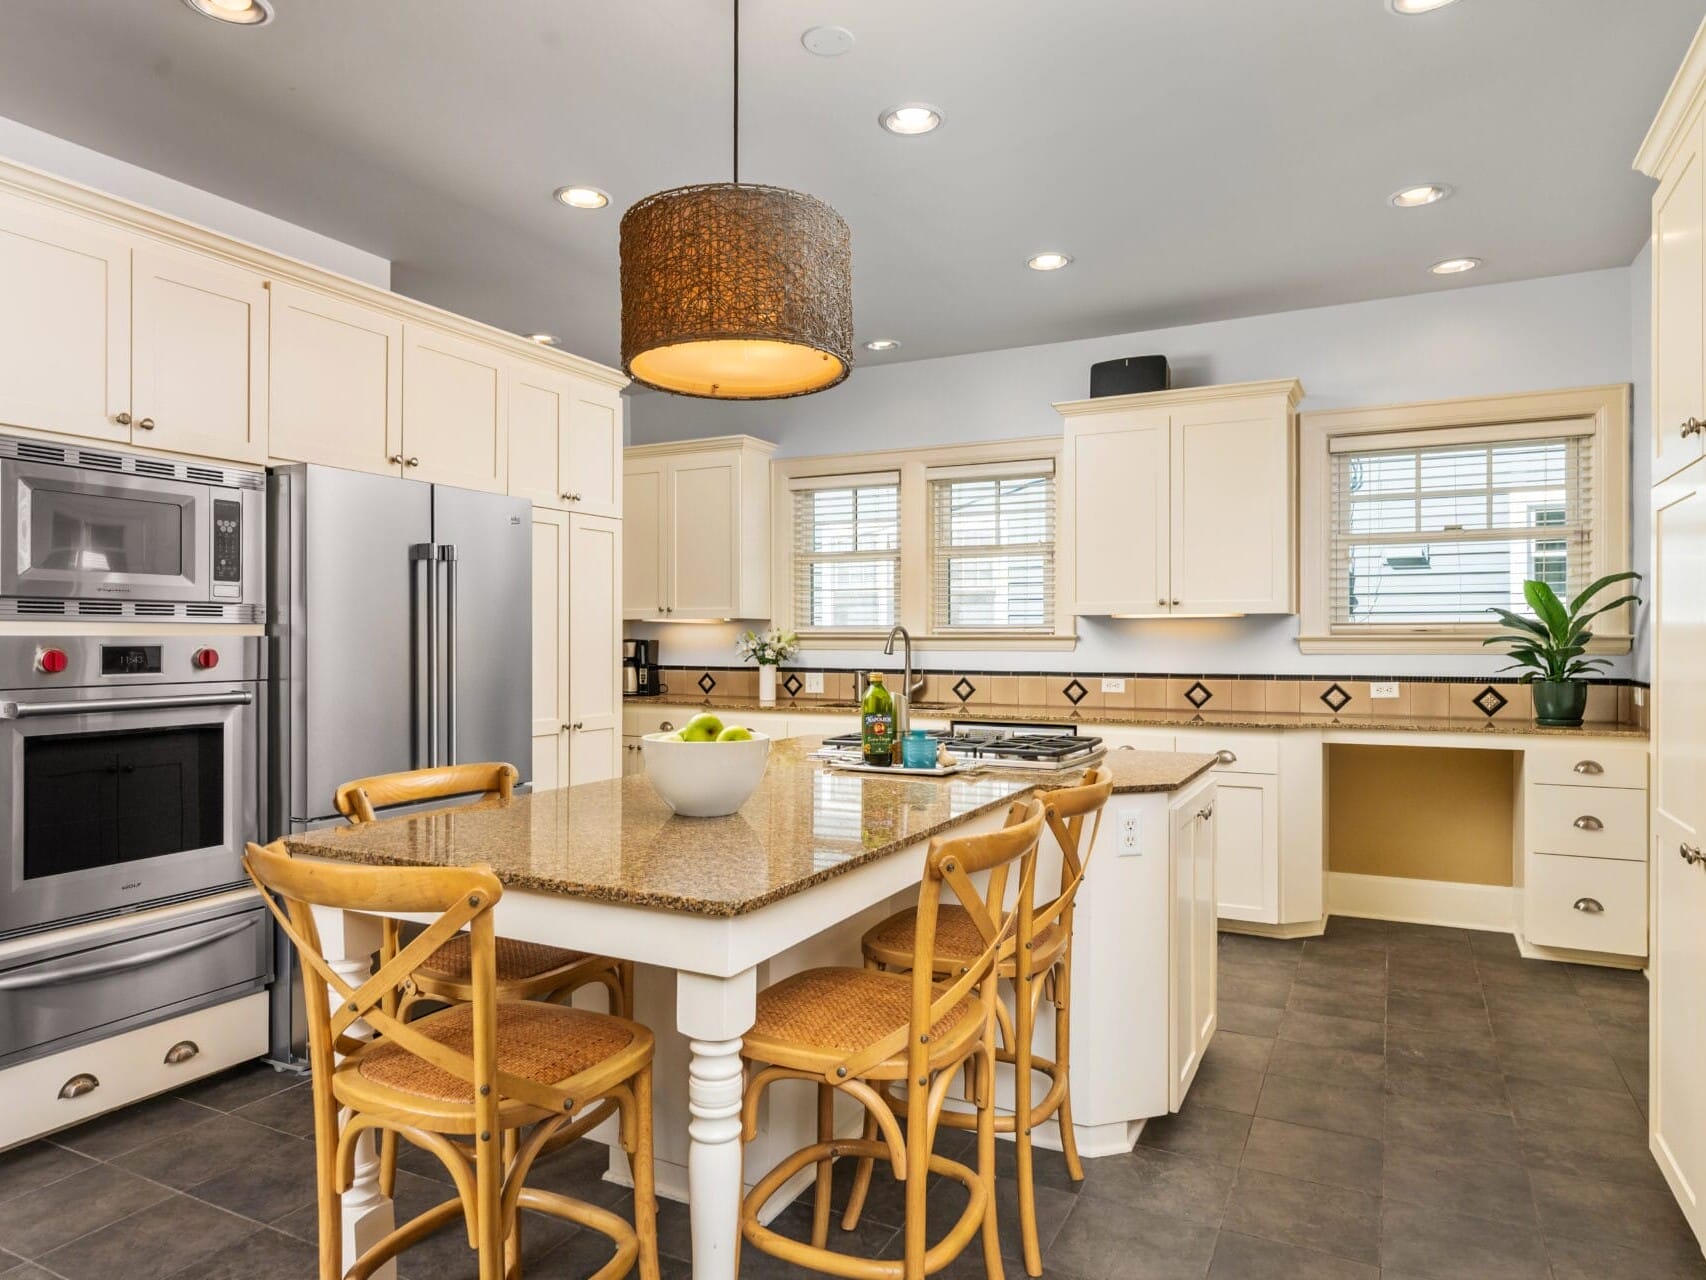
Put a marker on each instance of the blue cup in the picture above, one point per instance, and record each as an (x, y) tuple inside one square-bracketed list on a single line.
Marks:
[(918, 750)]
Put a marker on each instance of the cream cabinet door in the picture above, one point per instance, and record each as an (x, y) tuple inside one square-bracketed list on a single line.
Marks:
[(1230, 537), (336, 382), (1194, 941), (455, 410), (64, 323), (1247, 854), (1120, 529), (1679, 310), (540, 401), (703, 537), (199, 355), (595, 648), (550, 649), (645, 516), (592, 471)]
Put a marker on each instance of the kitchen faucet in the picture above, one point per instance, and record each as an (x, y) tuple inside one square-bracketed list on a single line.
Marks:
[(908, 687)]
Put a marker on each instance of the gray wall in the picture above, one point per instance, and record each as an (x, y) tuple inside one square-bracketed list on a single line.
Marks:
[(1563, 331)]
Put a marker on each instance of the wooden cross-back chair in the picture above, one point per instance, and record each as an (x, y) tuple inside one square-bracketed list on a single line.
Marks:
[(863, 1032), (1041, 964), (482, 1071)]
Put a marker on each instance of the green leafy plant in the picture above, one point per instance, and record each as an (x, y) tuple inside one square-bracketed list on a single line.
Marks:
[(768, 650), (1550, 645)]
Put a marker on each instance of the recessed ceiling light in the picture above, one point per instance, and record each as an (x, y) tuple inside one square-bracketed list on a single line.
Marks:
[(828, 42), (242, 13), (582, 197), (911, 118), (1409, 8), (543, 339), (882, 344), (1416, 197), (1454, 266), (1049, 261)]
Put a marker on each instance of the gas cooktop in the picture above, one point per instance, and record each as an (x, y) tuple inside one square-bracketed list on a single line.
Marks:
[(1018, 746)]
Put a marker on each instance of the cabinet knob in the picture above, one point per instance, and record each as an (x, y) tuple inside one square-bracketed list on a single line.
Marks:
[(147, 424), (78, 1085), (1593, 906), (123, 419), (1589, 767), (1206, 814), (1692, 427), (570, 497), (1587, 822), (1161, 604), (1174, 603), (1692, 855), (666, 727), (411, 462), (395, 459), (183, 1051)]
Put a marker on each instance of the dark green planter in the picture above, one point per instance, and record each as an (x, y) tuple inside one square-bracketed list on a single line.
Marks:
[(1559, 704)]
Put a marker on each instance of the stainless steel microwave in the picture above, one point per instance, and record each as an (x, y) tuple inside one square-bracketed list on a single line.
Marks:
[(87, 532)]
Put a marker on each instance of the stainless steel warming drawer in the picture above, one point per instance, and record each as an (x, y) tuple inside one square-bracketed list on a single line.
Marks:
[(130, 974)]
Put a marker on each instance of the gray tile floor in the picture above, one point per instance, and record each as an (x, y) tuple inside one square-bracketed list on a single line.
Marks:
[(1386, 1101)]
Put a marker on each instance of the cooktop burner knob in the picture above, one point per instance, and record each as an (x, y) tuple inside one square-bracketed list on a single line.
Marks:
[(51, 661), (205, 659)]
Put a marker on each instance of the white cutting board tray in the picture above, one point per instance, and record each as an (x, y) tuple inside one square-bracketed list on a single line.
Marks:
[(859, 766)]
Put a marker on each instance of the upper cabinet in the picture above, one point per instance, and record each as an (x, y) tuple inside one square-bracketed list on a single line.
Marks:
[(565, 441), (1183, 502), (337, 381), (1675, 157), (455, 410), (697, 530)]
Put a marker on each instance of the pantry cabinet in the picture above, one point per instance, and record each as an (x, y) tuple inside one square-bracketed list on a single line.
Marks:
[(337, 382), (565, 441), (1182, 502), (577, 694), (697, 518)]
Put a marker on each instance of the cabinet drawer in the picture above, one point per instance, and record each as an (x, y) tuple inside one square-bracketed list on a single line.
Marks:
[(1589, 822), (1552, 918), (1251, 752), (1590, 764)]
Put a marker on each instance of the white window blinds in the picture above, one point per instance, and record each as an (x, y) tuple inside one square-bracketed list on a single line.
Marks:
[(1448, 524), (992, 547), (846, 552)]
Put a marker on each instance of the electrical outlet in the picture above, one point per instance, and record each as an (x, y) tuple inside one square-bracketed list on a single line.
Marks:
[(814, 682), (1640, 696), (1384, 690), (1113, 684), (1131, 834)]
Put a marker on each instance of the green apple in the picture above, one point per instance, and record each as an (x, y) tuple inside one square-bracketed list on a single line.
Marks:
[(735, 733), (701, 728)]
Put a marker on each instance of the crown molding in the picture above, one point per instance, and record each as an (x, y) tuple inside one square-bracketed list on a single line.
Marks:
[(1680, 105), (1290, 388), (699, 445)]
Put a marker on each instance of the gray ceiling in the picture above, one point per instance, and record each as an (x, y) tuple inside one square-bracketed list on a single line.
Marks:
[(1201, 158)]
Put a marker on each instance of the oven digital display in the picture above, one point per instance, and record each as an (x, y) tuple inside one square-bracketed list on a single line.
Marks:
[(130, 659)]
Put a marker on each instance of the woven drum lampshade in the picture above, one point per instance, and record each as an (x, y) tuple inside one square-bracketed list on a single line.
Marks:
[(736, 291)]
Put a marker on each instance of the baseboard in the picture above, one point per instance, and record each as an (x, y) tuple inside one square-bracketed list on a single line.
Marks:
[(1299, 929), (1441, 902)]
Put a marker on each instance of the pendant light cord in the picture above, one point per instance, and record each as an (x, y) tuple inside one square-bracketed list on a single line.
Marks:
[(736, 56)]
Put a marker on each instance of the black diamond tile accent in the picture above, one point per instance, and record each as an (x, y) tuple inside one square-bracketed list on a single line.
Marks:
[(1491, 701), (793, 684), (1198, 695), (707, 682), (1075, 692), (1335, 697), (963, 689)]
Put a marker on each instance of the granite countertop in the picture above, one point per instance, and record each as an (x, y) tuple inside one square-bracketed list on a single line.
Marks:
[(1138, 718), (617, 841)]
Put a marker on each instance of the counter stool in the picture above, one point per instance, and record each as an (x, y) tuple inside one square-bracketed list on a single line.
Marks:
[(507, 1077), (525, 970), (861, 1031), (1042, 960)]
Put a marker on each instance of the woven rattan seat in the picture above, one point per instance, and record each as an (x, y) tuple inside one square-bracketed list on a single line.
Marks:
[(517, 960), (958, 942), (836, 1011), (541, 1042)]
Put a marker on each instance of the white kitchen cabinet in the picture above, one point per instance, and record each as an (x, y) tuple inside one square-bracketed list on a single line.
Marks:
[(1193, 937), (565, 441), (593, 469), (199, 355), (698, 522), (336, 382), (577, 649), (455, 410), (1679, 306), (1183, 502)]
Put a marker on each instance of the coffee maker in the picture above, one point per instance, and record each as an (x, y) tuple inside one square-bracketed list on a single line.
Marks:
[(641, 675)]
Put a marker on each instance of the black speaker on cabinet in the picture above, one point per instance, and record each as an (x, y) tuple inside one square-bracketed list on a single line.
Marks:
[(1130, 376)]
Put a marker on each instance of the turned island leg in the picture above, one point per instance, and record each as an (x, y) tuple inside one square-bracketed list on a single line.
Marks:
[(714, 1013)]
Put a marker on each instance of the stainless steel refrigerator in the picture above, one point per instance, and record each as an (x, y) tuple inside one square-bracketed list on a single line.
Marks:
[(401, 625)]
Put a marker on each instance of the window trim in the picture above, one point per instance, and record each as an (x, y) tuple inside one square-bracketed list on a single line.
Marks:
[(1602, 412), (914, 611)]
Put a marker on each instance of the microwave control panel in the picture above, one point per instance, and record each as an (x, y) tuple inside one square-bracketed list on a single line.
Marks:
[(227, 547)]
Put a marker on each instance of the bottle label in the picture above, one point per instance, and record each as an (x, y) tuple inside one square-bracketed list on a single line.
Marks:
[(879, 733)]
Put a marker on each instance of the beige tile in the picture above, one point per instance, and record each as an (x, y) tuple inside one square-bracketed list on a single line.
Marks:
[(1602, 703), (1463, 695), (1430, 698), (1093, 697), (1625, 704), (1399, 706), (1644, 711), (1521, 699), (1004, 690), (1249, 695), (1054, 695), (1284, 695), (1033, 691), (838, 685), (1123, 700), (1356, 689), (742, 682), (980, 694), (1217, 700), (1148, 693)]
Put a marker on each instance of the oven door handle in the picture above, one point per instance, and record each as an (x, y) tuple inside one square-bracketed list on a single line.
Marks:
[(70, 973), (29, 710)]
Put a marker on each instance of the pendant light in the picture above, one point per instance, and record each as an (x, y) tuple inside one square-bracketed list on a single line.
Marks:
[(736, 291)]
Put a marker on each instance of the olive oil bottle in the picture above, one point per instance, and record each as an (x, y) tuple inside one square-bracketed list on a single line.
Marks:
[(876, 723)]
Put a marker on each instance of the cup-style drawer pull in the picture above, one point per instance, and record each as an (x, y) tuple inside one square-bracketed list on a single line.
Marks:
[(1226, 757), (1587, 822), (1589, 767), (183, 1051), (78, 1085), (1593, 906), (1692, 855)]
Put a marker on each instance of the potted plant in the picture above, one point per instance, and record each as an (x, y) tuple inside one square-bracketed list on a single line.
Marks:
[(1549, 647), (768, 651)]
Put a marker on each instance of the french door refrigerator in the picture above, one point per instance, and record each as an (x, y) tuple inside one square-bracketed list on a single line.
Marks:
[(401, 625)]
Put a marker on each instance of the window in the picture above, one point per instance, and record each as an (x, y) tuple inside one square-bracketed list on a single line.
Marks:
[(992, 548), (846, 552)]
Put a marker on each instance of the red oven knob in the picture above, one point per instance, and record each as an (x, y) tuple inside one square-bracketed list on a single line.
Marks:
[(51, 661), (205, 659)]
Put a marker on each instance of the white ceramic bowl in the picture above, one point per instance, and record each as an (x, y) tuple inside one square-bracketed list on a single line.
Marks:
[(704, 779)]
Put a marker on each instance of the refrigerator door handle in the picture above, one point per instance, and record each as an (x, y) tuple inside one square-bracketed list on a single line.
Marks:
[(428, 551), (447, 556)]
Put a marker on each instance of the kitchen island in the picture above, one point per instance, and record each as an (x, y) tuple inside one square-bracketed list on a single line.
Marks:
[(713, 909)]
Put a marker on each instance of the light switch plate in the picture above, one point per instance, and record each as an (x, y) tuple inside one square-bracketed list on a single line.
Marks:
[(814, 682), (1131, 833), (1388, 689), (1113, 684)]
